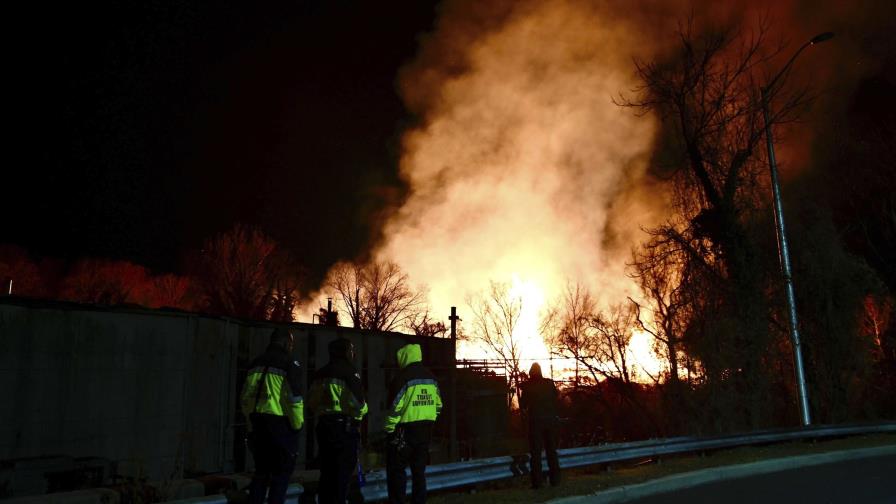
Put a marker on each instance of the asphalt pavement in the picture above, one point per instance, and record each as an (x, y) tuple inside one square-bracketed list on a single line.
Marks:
[(865, 481), (863, 476)]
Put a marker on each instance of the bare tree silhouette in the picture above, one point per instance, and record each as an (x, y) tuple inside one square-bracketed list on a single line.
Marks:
[(708, 99), (244, 273), (495, 315), (376, 295)]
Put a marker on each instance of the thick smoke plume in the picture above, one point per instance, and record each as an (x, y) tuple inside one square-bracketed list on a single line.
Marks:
[(521, 168)]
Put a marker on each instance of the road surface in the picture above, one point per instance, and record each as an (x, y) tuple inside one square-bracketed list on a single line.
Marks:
[(863, 481)]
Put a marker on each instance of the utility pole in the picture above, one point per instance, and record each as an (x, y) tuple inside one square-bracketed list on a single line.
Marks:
[(783, 249), (452, 439)]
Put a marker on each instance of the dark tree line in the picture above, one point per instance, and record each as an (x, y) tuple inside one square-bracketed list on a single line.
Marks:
[(710, 274), (712, 296), (239, 273)]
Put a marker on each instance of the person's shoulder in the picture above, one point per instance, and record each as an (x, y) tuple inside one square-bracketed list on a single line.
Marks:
[(292, 365), (430, 374), (282, 359), (257, 361), (344, 370), (400, 378), (539, 383), (265, 359), (326, 371), (418, 371)]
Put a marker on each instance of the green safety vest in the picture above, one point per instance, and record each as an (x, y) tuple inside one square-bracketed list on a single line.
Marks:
[(417, 398), (272, 387), (336, 390)]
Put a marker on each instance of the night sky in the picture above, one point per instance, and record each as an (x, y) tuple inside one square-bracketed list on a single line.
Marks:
[(139, 129), (144, 127)]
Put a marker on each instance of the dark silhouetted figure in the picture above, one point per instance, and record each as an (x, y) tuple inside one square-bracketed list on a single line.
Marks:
[(272, 401), (539, 402), (337, 399)]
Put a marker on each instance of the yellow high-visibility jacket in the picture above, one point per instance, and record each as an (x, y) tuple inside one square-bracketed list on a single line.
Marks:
[(274, 387), (336, 390), (414, 393)]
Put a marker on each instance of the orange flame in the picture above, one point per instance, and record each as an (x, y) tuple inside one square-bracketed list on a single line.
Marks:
[(522, 169)]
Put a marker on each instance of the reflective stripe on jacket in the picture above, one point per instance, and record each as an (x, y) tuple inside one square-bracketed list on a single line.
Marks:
[(336, 389), (280, 392), (414, 395)]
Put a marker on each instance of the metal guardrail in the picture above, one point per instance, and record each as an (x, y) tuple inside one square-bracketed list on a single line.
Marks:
[(472, 472), (293, 495), (461, 474)]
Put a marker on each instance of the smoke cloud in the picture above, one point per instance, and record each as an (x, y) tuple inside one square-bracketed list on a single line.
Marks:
[(522, 167)]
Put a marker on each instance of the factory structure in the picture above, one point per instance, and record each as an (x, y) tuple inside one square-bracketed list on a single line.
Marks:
[(94, 394)]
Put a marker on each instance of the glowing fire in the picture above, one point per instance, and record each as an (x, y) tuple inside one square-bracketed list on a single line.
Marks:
[(523, 171), (641, 353), (534, 301), (527, 330)]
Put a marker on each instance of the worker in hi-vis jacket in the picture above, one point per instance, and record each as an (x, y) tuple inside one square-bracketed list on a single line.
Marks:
[(415, 403)]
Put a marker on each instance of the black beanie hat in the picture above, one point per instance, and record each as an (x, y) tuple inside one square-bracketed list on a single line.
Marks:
[(280, 336), (338, 348)]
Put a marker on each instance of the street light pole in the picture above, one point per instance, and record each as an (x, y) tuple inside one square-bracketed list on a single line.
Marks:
[(783, 248)]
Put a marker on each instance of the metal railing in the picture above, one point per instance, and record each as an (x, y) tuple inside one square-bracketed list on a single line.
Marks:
[(472, 472), (461, 474), (293, 496)]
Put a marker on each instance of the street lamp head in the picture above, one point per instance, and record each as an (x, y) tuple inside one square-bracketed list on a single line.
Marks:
[(822, 37)]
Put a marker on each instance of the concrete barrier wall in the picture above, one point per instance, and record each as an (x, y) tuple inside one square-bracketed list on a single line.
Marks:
[(153, 391), (85, 383)]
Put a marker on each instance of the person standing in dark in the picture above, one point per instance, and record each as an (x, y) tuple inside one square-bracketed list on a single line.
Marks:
[(338, 402), (272, 401), (415, 403), (539, 401)]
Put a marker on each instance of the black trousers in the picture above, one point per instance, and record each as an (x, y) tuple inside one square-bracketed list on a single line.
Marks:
[(543, 435), (274, 445), (408, 446), (337, 445)]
